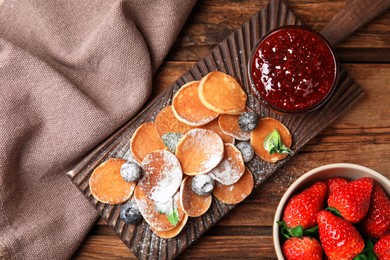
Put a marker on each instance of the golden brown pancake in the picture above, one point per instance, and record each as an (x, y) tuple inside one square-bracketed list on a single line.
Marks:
[(229, 125), (188, 108), (173, 232), (158, 221), (265, 126), (237, 192), (231, 168), (166, 122), (222, 94), (193, 204), (107, 185), (214, 126), (144, 141), (199, 151), (162, 175)]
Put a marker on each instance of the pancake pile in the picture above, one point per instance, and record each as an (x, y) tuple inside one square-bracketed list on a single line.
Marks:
[(188, 156)]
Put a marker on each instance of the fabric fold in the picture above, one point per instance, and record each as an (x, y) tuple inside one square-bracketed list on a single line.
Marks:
[(71, 73)]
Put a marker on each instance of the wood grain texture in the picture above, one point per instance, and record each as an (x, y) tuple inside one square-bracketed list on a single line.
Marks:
[(212, 20), (354, 15), (364, 130)]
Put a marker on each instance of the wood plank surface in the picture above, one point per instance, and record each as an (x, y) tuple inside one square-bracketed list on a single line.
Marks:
[(361, 135)]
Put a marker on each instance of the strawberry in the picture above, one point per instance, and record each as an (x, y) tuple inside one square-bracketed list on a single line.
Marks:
[(377, 221), (302, 209), (335, 182), (302, 248), (382, 248), (339, 238), (352, 200)]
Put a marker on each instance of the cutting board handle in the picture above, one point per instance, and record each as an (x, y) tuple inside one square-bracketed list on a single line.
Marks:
[(354, 15)]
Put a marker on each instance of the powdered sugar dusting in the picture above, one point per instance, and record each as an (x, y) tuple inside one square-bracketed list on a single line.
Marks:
[(164, 207), (167, 207), (162, 175), (202, 184), (199, 151), (210, 162), (149, 212), (231, 168)]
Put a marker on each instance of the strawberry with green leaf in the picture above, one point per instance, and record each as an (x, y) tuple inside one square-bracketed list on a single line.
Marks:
[(377, 221), (302, 248), (339, 238), (352, 200), (302, 209)]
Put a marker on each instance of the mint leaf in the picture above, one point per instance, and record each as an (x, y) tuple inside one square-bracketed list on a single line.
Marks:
[(273, 144), (285, 149), (168, 208), (173, 218)]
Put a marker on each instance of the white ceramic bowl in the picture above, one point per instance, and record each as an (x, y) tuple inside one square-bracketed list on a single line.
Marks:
[(346, 170)]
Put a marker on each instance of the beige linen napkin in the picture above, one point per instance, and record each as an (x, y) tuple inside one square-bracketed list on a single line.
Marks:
[(71, 72)]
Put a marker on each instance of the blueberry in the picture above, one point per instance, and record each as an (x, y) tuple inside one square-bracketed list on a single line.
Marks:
[(130, 213), (131, 172), (246, 150), (202, 185), (247, 121)]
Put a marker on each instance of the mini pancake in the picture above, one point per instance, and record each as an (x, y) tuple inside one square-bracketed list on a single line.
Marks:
[(264, 127), (237, 192), (173, 232), (144, 141), (199, 151), (166, 122), (229, 125), (214, 126), (188, 108), (107, 185), (162, 175), (193, 204), (231, 168), (158, 221), (222, 94)]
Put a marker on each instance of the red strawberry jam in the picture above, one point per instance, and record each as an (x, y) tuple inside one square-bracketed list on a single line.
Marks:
[(293, 69)]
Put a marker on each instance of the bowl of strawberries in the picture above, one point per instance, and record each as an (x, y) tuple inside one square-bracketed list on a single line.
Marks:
[(336, 211)]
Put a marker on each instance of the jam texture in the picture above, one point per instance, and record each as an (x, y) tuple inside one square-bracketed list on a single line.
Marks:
[(293, 69)]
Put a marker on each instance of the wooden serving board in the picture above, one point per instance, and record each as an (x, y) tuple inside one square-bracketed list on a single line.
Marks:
[(230, 56)]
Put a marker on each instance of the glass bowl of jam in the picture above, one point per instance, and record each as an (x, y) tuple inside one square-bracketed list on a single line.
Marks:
[(293, 70)]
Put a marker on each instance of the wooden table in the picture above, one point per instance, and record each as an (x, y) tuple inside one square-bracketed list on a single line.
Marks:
[(361, 135)]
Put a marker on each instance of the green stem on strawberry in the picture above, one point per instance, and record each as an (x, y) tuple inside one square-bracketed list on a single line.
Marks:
[(334, 211), (297, 231), (368, 251)]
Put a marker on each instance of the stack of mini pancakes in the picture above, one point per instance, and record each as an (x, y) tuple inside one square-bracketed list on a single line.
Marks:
[(204, 116)]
